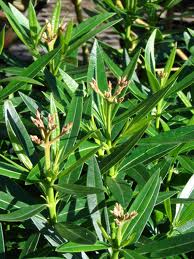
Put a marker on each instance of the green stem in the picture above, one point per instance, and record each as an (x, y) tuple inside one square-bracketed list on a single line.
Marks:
[(109, 125), (109, 133), (50, 194), (159, 110), (47, 157), (51, 201), (115, 255)]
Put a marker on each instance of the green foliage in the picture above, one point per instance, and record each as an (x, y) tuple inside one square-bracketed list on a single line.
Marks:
[(96, 155)]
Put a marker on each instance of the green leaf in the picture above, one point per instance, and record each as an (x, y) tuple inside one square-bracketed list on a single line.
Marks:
[(9, 202), (74, 115), (149, 53), (15, 24), (20, 17), (186, 162), (130, 69), (75, 209), (120, 152), (75, 233), (147, 105), (174, 136), (184, 80), (21, 79), (145, 154), (79, 162), (139, 174), (70, 83), (56, 132), (162, 196), (121, 191), (55, 20), (172, 246), (171, 3), (48, 231), (67, 37), (18, 135), (168, 67), (33, 22), (31, 71), (143, 205), (91, 34), (98, 68), (96, 201), (2, 39), (35, 173), (2, 245), (30, 103), (30, 245), (75, 248), (114, 68), (12, 172), (75, 189), (184, 213), (129, 254), (23, 213), (89, 24)]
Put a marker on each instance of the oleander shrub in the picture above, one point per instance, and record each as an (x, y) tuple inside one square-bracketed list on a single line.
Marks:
[(96, 155)]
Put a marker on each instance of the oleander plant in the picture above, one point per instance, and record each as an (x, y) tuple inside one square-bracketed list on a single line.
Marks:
[(97, 142)]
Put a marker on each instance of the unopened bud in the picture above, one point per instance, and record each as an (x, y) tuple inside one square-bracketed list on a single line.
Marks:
[(66, 128), (35, 139)]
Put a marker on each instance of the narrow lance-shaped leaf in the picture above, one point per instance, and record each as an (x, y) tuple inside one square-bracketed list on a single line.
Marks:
[(31, 71), (120, 152), (56, 131), (75, 248), (130, 254), (33, 22), (19, 129), (168, 67), (21, 79), (121, 191), (95, 201), (2, 245), (89, 24), (75, 233), (23, 213), (76, 189), (170, 246), (91, 34), (9, 202), (150, 62), (174, 136), (15, 24), (30, 245), (128, 74), (18, 133), (79, 162), (30, 103), (12, 172), (2, 39), (181, 209), (145, 154), (56, 16), (147, 105), (143, 205), (74, 116), (149, 53)]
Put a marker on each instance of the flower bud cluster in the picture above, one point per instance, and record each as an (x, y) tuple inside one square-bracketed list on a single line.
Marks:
[(120, 216), (109, 95), (50, 36), (47, 130)]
